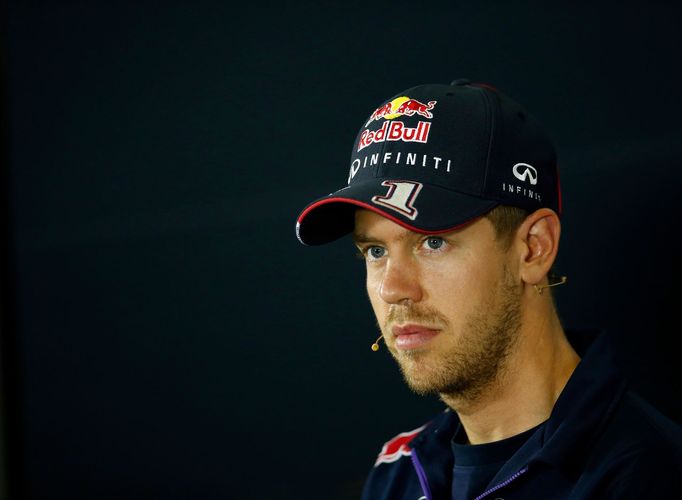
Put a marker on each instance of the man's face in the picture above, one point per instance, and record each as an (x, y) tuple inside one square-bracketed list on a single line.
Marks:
[(448, 305)]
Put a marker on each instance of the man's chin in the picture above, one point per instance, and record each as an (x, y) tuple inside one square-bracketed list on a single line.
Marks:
[(422, 386), (420, 375)]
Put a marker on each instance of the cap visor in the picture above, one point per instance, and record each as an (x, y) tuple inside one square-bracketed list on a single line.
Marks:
[(435, 210)]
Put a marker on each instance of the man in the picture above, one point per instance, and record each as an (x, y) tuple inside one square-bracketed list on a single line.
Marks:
[(453, 199)]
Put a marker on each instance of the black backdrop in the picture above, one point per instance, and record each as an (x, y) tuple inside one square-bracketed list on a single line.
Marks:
[(165, 335)]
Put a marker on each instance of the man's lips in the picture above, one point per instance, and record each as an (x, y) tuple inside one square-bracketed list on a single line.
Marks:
[(412, 336)]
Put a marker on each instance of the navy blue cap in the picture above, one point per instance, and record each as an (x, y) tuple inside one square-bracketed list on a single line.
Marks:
[(435, 157)]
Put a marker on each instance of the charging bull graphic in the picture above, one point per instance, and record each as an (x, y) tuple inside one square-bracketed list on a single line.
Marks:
[(402, 106)]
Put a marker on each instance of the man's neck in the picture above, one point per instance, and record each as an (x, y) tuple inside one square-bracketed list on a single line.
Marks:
[(524, 393)]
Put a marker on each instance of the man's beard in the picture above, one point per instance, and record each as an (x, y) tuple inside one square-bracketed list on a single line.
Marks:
[(463, 369)]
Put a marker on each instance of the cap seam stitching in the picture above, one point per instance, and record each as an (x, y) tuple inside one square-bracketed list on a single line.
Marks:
[(490, 104)]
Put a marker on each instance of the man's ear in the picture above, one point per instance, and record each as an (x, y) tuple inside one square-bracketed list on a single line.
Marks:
[(537, 240)]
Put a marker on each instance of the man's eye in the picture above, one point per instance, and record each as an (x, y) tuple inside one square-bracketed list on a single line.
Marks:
[(434, 242), (376, 252)]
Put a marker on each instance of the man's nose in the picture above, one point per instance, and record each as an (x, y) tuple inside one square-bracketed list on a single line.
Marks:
[(400, 282)]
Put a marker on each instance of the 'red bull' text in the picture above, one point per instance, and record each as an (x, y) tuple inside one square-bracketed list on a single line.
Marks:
[(395, 131)]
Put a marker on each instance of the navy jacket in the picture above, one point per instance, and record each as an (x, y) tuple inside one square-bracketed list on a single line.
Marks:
[(601, 441)]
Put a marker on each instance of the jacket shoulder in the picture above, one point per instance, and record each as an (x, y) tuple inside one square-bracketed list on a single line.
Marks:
[(650, 428), (639, 451)]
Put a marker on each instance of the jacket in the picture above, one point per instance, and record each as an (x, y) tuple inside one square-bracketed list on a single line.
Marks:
[(601, 441)]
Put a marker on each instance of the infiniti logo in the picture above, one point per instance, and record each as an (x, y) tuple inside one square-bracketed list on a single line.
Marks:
[(523, 172)]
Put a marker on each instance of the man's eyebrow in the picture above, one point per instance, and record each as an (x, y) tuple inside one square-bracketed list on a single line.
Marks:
[(363, 238)]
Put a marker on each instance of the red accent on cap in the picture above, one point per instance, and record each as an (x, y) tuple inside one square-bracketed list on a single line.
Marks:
[(558, 190), (485, 85), (362, 204)]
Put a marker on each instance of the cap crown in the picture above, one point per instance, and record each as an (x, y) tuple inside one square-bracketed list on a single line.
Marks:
[(466, 138)]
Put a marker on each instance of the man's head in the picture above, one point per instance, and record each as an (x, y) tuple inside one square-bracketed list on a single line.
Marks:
[(453, 198)]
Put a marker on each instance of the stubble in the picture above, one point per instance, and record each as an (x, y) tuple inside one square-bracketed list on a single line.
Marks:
[(472, 363)]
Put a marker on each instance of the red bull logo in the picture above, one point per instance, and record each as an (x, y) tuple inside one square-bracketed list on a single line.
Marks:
[(397, 447), (397, 131), (402, 106)]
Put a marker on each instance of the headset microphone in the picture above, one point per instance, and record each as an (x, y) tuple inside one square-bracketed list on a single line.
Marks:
[(375, 345)]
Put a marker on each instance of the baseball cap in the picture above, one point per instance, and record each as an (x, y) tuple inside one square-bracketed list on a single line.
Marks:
[(435, 157)]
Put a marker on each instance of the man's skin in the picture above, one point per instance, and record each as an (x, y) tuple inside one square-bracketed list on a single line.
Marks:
[(460, 314)]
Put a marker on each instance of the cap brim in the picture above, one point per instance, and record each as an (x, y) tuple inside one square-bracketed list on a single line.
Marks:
[(437, 210)]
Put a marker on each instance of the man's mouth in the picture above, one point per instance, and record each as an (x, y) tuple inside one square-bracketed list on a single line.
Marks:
[(412, 335)]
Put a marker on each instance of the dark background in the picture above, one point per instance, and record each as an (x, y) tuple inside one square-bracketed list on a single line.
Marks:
[(165, 335)]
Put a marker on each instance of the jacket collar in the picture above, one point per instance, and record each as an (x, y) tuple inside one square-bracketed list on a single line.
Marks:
[(586, 402), (583, 407)]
